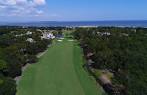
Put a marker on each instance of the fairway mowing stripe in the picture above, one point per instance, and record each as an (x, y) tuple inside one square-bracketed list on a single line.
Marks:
[(88, 83), (58, 72)]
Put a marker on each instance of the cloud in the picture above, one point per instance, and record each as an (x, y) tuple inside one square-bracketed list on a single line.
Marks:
[(21, 7), (17, 2), (39, 2)]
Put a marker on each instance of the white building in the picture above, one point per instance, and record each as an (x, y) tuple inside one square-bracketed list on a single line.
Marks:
[(48, 36), (29, 33), (104, 33), (30, 40)]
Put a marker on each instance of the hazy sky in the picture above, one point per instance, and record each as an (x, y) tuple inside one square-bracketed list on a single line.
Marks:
[(72, 10)]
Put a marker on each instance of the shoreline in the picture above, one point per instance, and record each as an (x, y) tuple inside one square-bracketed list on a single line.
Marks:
[(100, 23)]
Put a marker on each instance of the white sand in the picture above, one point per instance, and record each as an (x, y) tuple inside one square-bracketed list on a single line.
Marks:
[(41, 54), (60, 40), (17, 79), (71, 40)]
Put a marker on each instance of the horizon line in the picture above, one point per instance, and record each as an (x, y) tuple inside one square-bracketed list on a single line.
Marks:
[(66, 21)]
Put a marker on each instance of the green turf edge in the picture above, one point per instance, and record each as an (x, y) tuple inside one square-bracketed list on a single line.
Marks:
[(90, 86)]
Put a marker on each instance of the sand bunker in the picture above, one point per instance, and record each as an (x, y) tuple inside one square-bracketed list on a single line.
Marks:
[(60, 40), (70, 40)]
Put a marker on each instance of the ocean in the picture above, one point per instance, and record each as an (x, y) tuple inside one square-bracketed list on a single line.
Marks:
[(138, 23)]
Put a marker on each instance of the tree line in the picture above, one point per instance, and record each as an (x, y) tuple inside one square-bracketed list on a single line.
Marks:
[(16, 51), (121, 51)]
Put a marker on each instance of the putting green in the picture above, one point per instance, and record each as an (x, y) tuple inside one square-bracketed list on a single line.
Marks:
[(58, 72)]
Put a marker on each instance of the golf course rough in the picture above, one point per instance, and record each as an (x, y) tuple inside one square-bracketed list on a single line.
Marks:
[(58, 72)]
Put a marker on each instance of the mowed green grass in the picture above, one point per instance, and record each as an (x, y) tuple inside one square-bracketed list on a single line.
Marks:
[(58, 72)]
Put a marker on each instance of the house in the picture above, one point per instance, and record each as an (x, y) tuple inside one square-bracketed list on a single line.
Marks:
[(50, 36), (29, 33), (47, 35), (104, 33), (30, 40)]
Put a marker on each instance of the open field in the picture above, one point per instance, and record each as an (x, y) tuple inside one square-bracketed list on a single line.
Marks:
[(58, 72)]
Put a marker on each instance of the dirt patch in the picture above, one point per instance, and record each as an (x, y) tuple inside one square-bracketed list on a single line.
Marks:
[(17, 79), (41, 54)]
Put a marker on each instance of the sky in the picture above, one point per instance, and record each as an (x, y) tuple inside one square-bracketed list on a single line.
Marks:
[(72, 10)]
